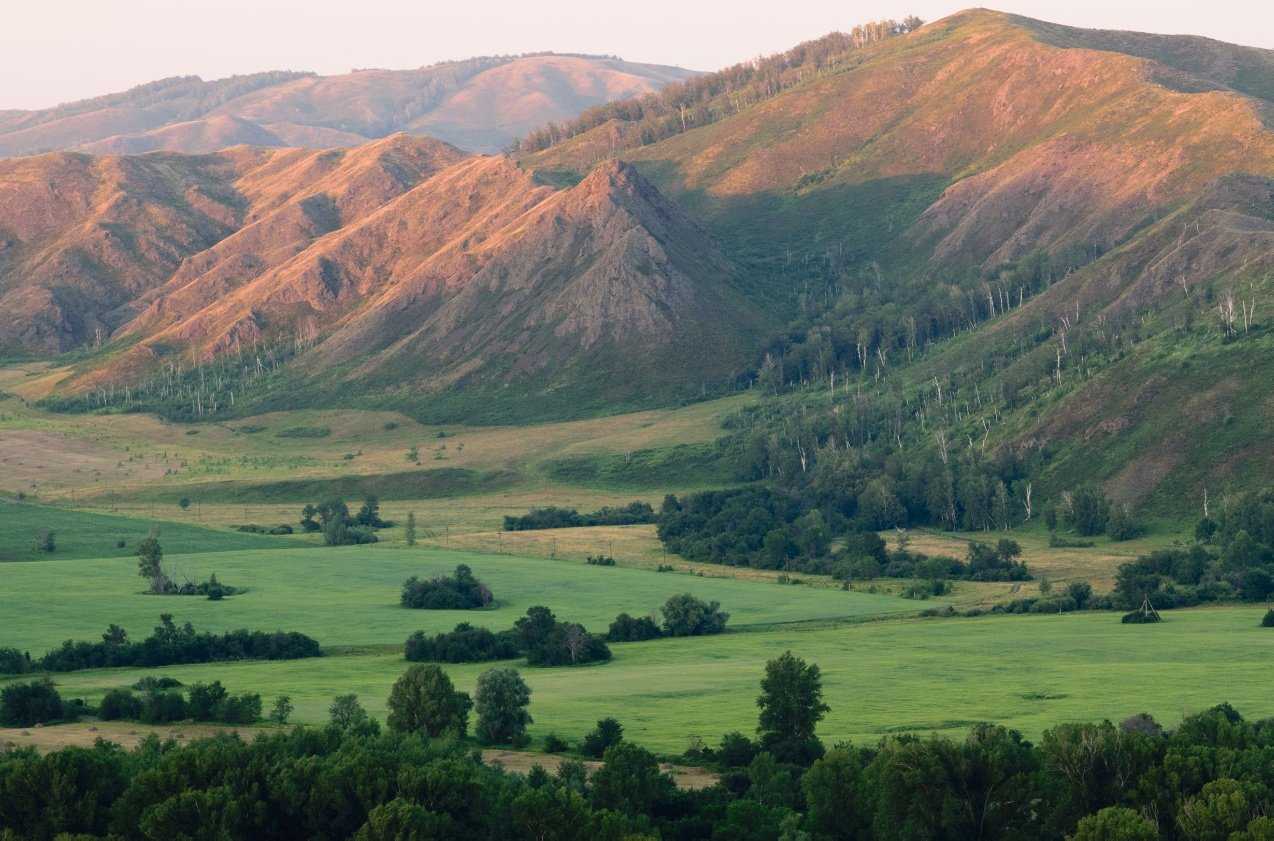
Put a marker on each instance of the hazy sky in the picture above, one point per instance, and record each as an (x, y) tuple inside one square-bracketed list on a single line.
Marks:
[(55, 51)]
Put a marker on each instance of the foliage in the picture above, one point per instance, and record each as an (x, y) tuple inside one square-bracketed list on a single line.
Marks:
[(561, 518), (466, 644), (14, 662), (548, 642), (501, 699), (26, 704), (605, 735), (169, 644), (425, 701), (625, 628), (460, 591), (688, 616), (791, 704)]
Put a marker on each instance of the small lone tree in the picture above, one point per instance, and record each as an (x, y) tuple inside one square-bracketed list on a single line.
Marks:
[(424, 700), (687, 616), (501, 700), (282, 710), (183, 503), (150, 565), (409, 533), (44, 541), (607, 732), (791, 703), (347, 714)]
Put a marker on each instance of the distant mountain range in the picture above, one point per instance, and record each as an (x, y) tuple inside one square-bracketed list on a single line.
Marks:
[(480, 104), (1018, 203)]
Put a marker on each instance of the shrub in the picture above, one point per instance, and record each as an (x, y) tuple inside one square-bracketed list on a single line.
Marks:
[(205, 700), (304, 432), (560, 518), (600, 561), (1268, 620), (466, 644), (14, 662), (163, 707), (607, 732), (554, 743), (119, 704), (1121, 525), (1089, 511), (548, 642), (737, 750), (687, 616), (240, 709), (27, 704), (44, 541), (150, 684), (460, 591), (625, 628), (171, 645)]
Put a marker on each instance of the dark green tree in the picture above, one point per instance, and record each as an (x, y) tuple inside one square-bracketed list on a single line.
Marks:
[(424, 700), (501, 699), (791, 704)]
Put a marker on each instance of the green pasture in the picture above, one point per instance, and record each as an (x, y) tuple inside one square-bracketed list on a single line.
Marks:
[(349, 595), (880, 678), (80, 534)]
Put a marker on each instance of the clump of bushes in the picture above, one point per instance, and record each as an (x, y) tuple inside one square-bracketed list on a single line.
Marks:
[(339, 527), (633, 513), (600, 561), (926, 589), (466, 644), (460, 591), (626, 628), (538, 636), (253, 528), (14, 662), (607, 733), (1267, 621), (687, 616), (304, 432), (161, 705), (28, 704), (170, 645)]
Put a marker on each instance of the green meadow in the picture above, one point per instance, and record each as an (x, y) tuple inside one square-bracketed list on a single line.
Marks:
[(346, 596), (81, 534), (880, 678)]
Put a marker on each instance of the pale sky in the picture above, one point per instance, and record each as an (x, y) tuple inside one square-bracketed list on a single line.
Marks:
[(55, 51)]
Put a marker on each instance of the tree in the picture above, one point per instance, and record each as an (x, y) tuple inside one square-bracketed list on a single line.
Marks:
[(347, 714), (630, 781), (838, 806), (1089, 511), (501, 700), (183, 503), (608, 732), (27, 704), (409, 533), (425, 701), (791, 703), (282, 710), (150, 558), (403, 820), (44, 541), (687, 616), (1222, 808)]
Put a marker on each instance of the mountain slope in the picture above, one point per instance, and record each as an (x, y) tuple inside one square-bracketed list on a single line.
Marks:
[(480, 104)]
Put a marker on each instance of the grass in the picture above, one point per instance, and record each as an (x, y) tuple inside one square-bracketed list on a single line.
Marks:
[(881, 678), (80, 534), (348, 596)]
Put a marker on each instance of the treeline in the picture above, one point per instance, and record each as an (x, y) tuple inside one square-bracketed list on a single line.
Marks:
[(1232, 560), (186, 391), (633, 513), (702, 100), (1210, 778), (167, 645), (774, 529)]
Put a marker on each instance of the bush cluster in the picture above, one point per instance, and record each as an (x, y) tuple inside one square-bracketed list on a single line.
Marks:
[(633, 513), (459, 591)]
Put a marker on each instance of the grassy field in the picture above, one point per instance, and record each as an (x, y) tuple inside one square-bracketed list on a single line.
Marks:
[(81, 534), (1027, 672), (349, 595)]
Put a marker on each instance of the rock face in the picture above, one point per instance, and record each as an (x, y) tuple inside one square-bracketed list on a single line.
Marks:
[(481, 104)]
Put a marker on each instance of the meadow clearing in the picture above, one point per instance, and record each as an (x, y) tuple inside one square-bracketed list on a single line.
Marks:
[(116, 479)]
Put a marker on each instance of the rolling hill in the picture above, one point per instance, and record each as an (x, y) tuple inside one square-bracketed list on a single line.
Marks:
[(481, 104)]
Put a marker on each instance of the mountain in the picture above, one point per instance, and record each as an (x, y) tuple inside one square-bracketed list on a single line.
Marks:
[(480, 104), (1020, 224)]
